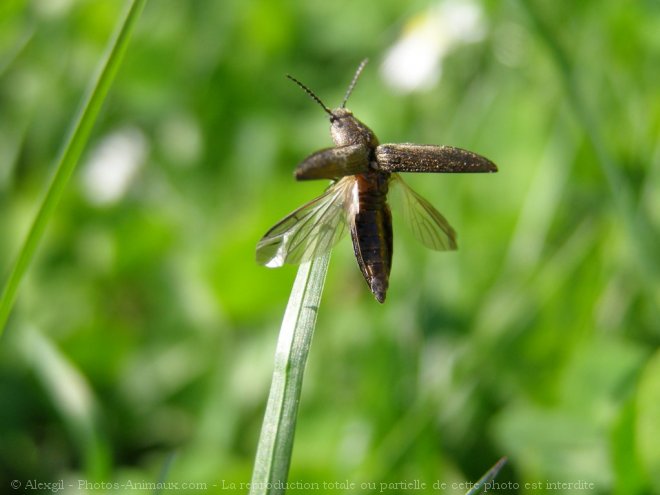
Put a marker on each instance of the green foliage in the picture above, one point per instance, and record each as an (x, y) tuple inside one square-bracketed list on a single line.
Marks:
[(68, 160), (144, 327)]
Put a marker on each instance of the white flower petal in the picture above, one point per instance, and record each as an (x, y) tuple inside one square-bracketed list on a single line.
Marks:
[(113, 165)]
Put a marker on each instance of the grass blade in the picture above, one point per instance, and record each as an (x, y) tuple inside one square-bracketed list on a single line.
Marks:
[(70, 154), (70, 394), (487, 478), (273, 457), (639, 226)]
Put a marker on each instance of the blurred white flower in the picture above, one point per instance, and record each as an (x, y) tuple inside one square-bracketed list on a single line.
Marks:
[(113, 165), (414, 62)]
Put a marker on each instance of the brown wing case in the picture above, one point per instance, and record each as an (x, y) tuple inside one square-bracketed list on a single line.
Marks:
[(333, 163), (429, 158)]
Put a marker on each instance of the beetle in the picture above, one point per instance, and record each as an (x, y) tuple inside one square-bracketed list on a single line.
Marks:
[(362, 171)]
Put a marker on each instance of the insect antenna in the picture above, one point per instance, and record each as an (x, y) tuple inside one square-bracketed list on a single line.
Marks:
[(311, 93), (355, 78)]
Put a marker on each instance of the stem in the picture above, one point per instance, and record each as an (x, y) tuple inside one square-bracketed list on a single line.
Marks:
[(70, 154), (484, 481), (271, 467)]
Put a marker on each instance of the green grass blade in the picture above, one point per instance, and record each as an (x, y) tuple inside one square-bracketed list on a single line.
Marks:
[(487, 478), (273, 457), (71, 395), (164, 473), (70, 154), (639, 226)]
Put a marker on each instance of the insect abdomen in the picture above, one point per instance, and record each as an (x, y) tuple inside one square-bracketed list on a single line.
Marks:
[(371, 231)]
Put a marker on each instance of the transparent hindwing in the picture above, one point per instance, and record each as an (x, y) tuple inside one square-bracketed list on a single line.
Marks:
[(308, 232), (427, 224)]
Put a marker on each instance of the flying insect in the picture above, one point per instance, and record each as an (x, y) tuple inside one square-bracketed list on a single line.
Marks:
[(362, 171)]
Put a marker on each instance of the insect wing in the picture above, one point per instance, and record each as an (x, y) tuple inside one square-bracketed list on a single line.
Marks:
[(427, 224), (308, 232), (408, 157)]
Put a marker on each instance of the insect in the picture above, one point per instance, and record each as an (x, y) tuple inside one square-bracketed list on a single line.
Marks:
[(362, 171)]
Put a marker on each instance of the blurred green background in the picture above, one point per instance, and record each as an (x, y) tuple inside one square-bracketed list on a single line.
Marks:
[(143, 337)]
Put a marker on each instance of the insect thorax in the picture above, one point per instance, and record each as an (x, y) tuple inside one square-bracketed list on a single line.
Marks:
[(346, 129)]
